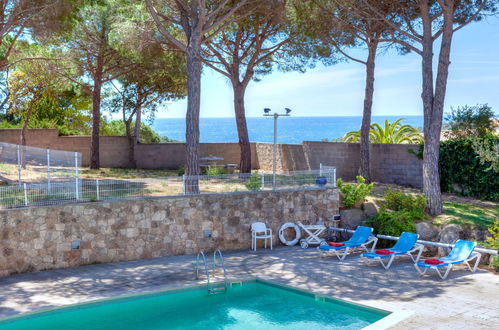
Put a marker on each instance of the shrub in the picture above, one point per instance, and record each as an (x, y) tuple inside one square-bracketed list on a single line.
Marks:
[(468, 166), (469, 121), (392, 223), (493, 242), (181, 170), (354, 193), (414, 205), (462, 170), (215, 170), (254, 182)]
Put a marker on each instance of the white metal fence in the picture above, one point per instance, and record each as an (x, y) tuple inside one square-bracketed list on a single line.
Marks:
[(23, 164), (85, 190)]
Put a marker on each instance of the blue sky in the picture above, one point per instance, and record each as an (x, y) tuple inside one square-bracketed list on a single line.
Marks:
[(338, 90)]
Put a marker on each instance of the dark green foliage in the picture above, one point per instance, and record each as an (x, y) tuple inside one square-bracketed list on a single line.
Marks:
[(469, 121), (392, 223), (117, 128), (413, 205), (398, 213), (181, 170), (462, 172)]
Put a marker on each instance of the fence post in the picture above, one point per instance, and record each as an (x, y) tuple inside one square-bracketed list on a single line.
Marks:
[(97, 192), (334, 177), (77, 187), (48, 172), (320, 169), (263, 181), (25, 195), (183, 184), (19, 164)]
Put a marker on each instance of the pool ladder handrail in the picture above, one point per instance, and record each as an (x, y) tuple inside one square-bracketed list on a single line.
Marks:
[(212, 289)]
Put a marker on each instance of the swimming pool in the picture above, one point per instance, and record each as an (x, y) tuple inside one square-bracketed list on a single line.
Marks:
[(246, 305)]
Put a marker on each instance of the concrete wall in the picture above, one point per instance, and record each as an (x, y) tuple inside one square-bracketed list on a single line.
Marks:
[(391, 163), (40, 238)]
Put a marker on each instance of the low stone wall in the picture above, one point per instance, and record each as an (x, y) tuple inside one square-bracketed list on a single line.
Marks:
[(40, 238)]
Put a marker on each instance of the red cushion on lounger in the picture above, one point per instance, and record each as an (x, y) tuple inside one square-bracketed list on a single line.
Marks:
[(336, 244), (384, 252), (433, 262)]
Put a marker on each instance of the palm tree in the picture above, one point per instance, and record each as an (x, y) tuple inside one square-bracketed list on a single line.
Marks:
[(391, 133)]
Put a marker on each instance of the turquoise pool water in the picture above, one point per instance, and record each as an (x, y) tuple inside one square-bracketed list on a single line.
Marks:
[(253, 305)]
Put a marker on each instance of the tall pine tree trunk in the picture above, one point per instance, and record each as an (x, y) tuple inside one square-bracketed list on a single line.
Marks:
[(94, 149), (192, 116), (433, 126), (130, 139), (242, 127), (24, 130), (136, 135), (366, 116), (433, 103)]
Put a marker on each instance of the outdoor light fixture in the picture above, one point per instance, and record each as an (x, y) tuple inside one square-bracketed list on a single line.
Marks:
[(275, 115)]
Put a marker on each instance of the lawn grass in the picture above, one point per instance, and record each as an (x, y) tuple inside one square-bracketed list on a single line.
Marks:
[(468, 215)]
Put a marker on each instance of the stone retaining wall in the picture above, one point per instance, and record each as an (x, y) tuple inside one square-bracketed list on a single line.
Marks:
[(34, 239)]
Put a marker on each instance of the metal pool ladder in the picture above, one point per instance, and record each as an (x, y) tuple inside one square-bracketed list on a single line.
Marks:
[(212, 288)]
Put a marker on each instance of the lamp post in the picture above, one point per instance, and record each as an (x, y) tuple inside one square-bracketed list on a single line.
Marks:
[(266, 113)]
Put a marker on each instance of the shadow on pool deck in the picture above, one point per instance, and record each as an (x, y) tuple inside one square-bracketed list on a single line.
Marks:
[(464, 297)]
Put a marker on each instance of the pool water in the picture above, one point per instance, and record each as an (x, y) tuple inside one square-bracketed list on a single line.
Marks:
[(252, 305)]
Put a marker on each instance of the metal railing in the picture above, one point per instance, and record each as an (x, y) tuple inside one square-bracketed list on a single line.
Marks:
[(86, 190)]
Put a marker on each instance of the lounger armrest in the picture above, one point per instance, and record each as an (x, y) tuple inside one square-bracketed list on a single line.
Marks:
[(372, 240), (477, 256), (419, 248)]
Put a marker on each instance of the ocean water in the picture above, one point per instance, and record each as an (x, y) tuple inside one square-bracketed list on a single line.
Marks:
[(291, 129)]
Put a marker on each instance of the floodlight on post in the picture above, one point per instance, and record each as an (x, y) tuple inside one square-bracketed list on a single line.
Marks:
[(275, 115)]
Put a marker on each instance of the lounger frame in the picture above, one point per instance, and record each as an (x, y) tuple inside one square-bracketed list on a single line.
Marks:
[(419, 248), (474, 255), (349, 249)]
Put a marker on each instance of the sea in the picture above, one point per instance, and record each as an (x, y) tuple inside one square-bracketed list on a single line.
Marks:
[(291, 130)]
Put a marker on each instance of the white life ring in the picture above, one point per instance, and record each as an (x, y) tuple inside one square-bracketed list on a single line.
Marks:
[(297, 230)]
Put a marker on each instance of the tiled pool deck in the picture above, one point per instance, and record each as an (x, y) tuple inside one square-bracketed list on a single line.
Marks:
[(463, 301)]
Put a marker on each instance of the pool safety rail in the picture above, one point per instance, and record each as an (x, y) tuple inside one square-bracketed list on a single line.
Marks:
[(212, 288), (437, 244)]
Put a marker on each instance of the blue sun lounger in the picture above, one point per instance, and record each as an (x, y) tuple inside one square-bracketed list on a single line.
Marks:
[(406, 245), (360, 239), (462, 252)]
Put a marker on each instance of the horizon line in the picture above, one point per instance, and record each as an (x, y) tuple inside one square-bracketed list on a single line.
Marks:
[(295, 116)]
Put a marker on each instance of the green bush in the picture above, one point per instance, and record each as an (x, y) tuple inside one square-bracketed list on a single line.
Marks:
[(493, 242), (392, 223), (463, 172), (254, 183), (181, 170), (414, 205), (354, 193), (215, 170)]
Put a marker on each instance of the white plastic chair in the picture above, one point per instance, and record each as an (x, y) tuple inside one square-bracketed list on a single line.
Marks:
[(256, 229)]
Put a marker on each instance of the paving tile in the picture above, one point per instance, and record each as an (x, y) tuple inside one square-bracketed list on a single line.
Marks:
[(463, 301)]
